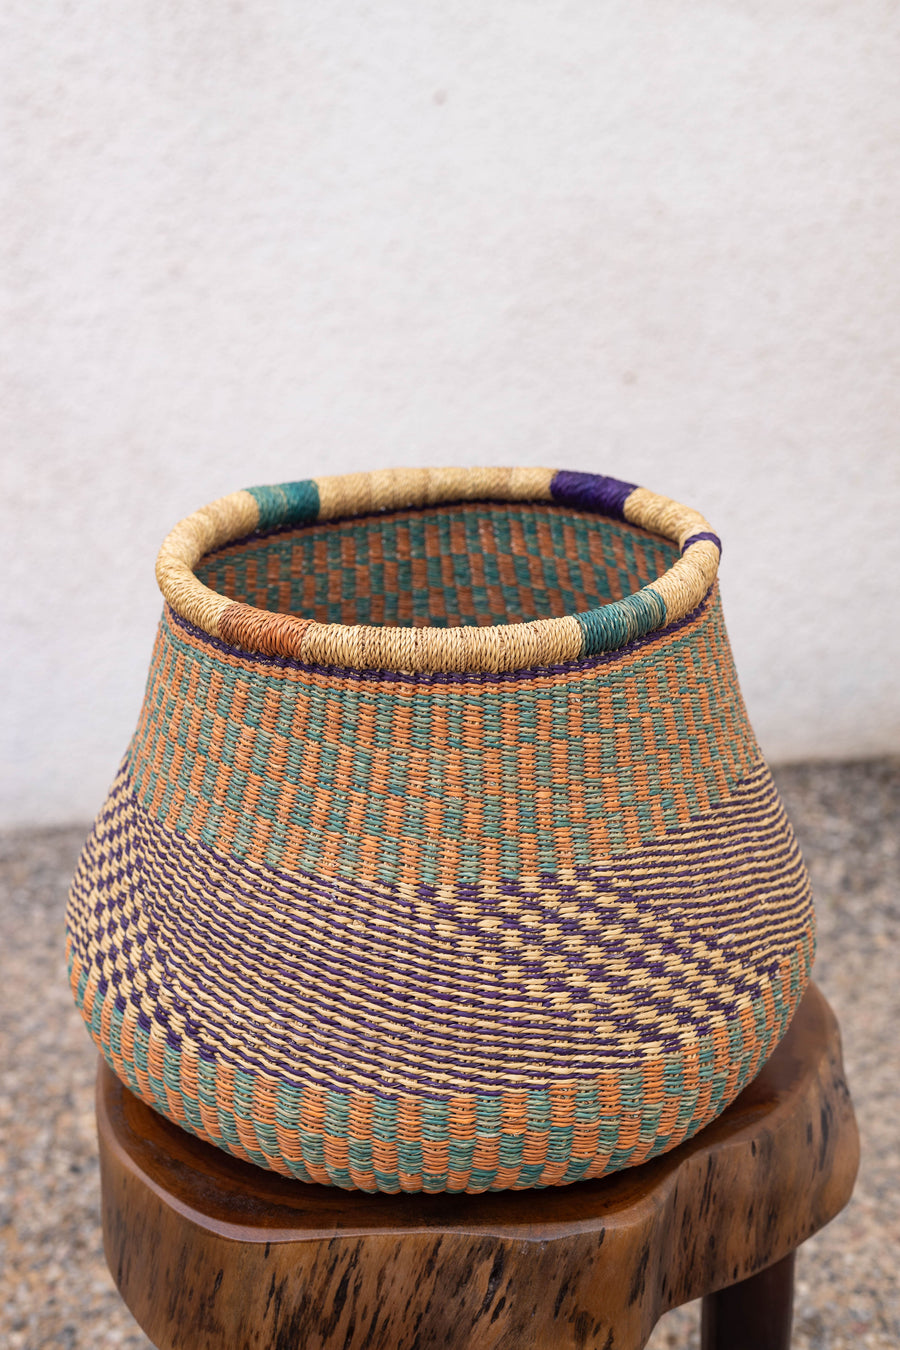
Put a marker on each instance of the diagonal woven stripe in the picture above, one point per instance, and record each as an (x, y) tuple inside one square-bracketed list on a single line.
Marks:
[(439, 779), (472, 1142), (443, 989)]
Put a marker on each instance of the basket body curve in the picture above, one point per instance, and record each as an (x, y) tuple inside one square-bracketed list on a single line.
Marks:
[(443, 856)]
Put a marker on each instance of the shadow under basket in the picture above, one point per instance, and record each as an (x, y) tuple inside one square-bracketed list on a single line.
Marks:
[(443, 856)]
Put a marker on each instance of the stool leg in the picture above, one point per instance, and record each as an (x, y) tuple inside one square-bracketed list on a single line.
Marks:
[(753, 1315)]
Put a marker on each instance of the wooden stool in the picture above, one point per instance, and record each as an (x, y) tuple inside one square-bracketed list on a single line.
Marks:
[(210, 1252)]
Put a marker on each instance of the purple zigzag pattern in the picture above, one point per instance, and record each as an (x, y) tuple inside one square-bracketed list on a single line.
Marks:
[(410, 997)]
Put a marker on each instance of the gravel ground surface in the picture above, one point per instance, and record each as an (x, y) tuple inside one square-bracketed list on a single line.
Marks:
[(54, 1286)]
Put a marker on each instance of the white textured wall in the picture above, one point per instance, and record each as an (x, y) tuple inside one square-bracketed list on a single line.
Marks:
[(266, 240)]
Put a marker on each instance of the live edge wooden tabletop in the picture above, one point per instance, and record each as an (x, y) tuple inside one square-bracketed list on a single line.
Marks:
[(211, 1253)]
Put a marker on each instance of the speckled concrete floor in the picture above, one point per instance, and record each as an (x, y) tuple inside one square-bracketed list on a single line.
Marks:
[(54, 1286)]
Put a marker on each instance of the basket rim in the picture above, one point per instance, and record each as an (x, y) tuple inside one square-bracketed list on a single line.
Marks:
[(496, 647)]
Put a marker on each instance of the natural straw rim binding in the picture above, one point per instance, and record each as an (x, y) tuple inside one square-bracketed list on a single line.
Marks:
[(499, 647)]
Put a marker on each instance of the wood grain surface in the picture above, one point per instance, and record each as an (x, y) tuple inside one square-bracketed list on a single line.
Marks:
[(211, 1253)]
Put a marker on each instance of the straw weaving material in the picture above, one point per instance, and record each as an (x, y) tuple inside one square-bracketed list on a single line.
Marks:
[(443, 855)]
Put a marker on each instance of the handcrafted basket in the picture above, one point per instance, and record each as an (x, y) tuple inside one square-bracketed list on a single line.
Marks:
[(443, 857)]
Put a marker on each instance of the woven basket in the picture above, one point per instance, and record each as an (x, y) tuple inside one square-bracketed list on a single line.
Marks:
[(443, 856)]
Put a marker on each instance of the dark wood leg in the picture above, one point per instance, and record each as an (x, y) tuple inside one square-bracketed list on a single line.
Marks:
[(753, 1315)]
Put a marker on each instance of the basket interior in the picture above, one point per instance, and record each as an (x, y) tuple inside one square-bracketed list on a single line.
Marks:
[(473, 563)]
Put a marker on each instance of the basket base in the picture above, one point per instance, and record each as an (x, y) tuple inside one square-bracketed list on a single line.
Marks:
[(211, 1252)]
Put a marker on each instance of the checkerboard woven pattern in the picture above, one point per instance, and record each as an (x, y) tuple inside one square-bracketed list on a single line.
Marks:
[(441, 1039), (487, 563), (439, 779)]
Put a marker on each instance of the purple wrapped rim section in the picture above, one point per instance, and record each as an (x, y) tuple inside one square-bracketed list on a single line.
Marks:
[(704, 534), (591, 492)]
